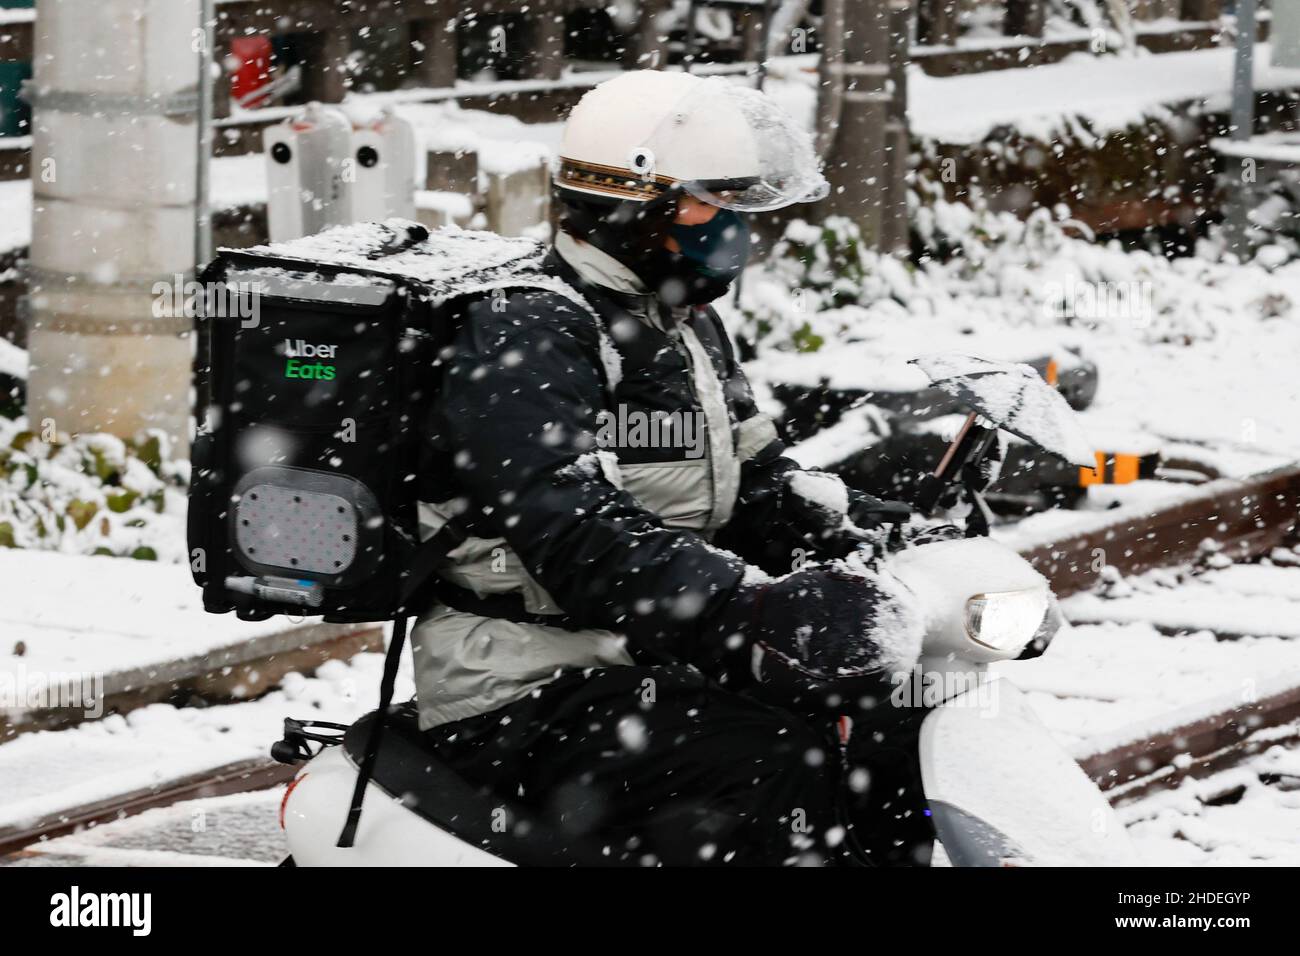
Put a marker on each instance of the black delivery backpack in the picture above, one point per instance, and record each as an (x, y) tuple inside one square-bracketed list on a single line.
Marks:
[(315, 374), (317, 364)]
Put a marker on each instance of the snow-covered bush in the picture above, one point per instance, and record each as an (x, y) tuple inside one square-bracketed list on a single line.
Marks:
[(980, 269), (93, 494), (798, 298), (1274, 233)]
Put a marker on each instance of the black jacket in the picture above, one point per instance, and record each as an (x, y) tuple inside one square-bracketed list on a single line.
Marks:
[(526, 382)]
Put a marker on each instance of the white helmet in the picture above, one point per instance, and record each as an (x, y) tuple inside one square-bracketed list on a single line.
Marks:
[(641, 133)]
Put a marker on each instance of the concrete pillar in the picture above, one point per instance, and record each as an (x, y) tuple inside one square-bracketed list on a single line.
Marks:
[(1285, 35), (113, 178), (435, 62), (517, 202), (895, 234), (1205, 11), (1024, 18), (548, 42), (650, 52), (857, 163), (936, 23), (830, 77), (323, 76), (451, 171), (1143, 10), (1236, 224), (752, 35), (221, 87)]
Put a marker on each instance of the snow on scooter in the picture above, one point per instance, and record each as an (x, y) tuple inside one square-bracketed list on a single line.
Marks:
[(1000, 790)]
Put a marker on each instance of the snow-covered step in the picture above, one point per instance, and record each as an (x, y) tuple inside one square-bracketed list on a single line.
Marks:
[(1096, 680), (1257, 580), (1039, 102), (44, 773), (1192, 825), (1198, 607), (240, 829), (77, 630)]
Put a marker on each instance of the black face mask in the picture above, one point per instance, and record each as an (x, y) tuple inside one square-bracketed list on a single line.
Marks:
[(712, 256), (630, 232)]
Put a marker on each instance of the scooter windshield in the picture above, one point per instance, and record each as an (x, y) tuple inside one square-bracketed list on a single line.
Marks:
[(768, 162)]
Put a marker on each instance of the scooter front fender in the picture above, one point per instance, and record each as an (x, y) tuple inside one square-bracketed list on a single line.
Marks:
[(1003, 792)]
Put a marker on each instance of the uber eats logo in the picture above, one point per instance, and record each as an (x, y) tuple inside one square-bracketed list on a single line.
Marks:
[(296, 367)]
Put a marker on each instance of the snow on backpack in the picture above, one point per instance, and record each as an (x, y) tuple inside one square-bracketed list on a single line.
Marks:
[(316, 369)]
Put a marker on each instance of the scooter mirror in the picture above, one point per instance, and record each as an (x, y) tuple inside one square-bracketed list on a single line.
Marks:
[(1013, 397)]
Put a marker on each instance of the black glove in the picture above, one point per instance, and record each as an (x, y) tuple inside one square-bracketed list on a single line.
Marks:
[(868, 511), (787, 517), (834, 532), (819, 640), (826, 525)]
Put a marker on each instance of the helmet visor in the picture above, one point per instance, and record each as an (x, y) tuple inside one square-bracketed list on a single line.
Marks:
[(757, 157)]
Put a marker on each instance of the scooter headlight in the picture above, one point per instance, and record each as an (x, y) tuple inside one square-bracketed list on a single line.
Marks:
[(1005, 621)]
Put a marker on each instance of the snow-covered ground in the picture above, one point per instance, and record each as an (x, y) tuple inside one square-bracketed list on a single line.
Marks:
[(15, 214), (238, 830), (1243, 600), (1104, 679), (13, 360), (46, 771), (1043, 101), (1082, 92), (1233, 818), (132, 625)]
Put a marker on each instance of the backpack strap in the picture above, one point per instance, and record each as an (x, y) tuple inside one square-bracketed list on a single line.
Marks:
[(424, 561)]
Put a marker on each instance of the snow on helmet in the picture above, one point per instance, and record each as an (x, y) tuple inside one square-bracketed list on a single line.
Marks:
[(642, 133)]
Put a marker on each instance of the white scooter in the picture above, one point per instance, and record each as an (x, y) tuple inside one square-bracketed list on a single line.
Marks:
[(1000, 790)]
